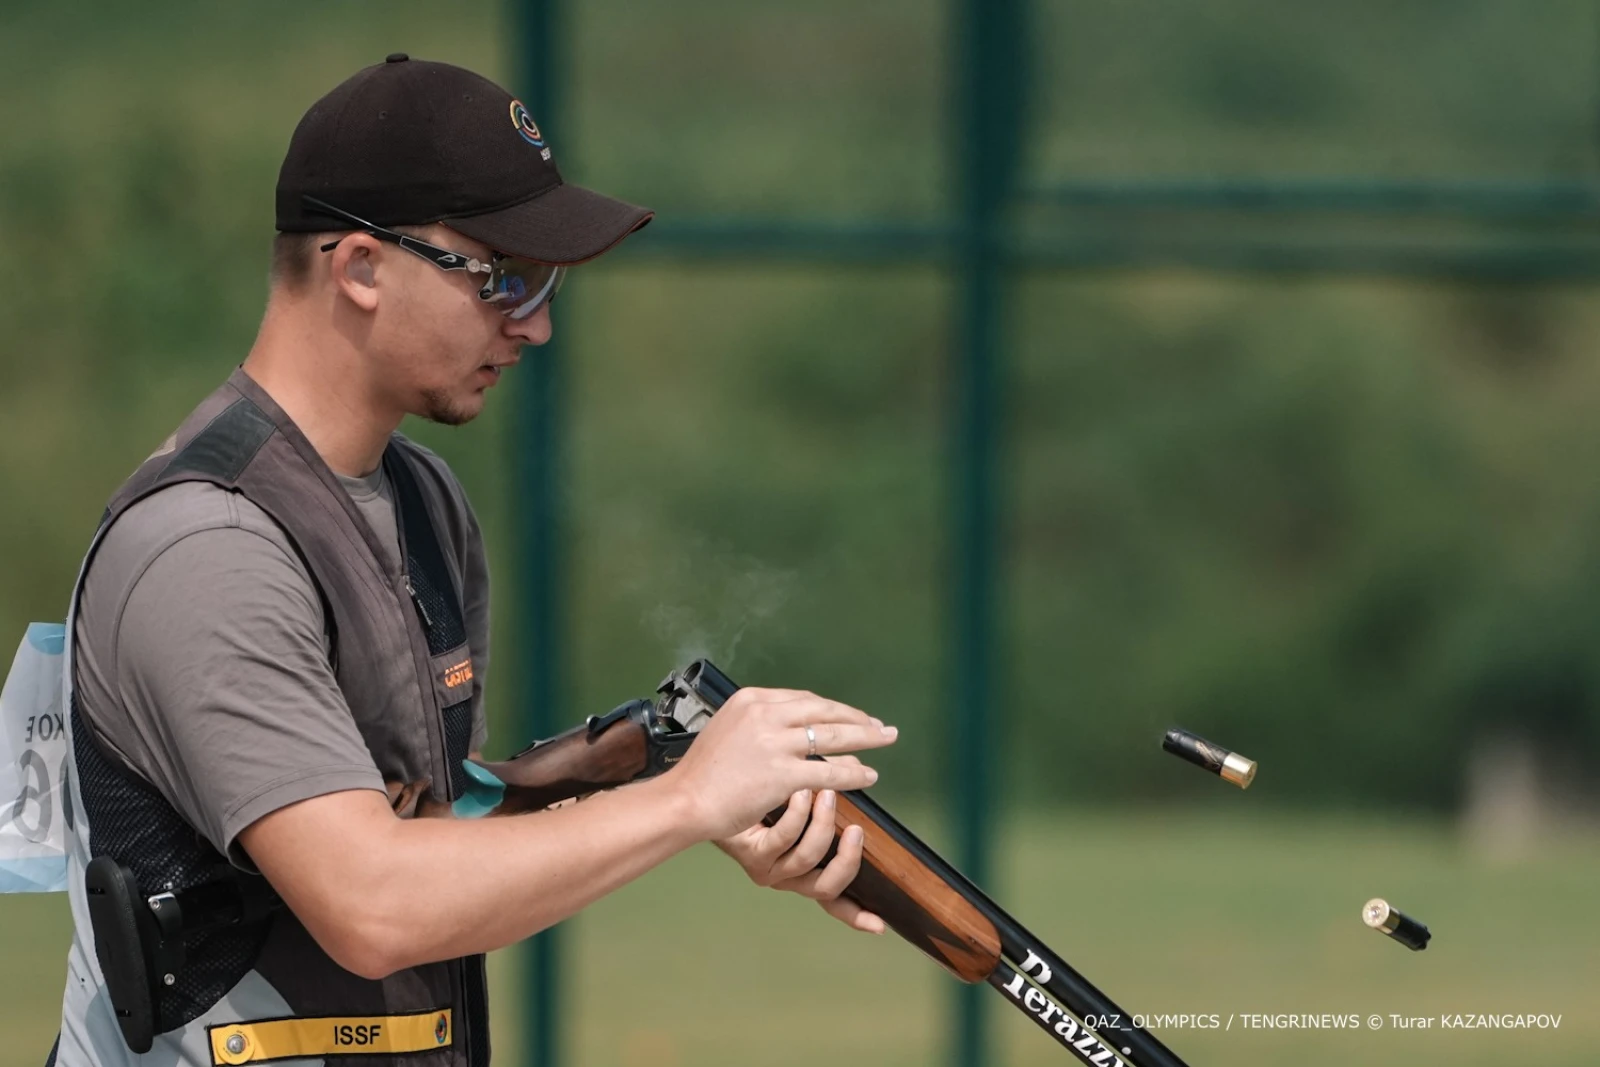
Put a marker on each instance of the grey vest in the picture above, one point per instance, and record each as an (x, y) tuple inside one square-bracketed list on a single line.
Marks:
[(398, 643)]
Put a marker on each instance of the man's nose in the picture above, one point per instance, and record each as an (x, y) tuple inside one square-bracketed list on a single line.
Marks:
[(533, 330)]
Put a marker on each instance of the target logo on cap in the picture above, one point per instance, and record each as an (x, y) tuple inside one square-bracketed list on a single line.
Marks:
[(525, 124)]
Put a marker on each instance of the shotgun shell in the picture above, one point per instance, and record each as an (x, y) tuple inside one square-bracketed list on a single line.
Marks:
[(1214, 758), (1380, 916)]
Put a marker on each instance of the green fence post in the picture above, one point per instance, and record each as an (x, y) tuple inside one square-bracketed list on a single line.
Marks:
[(987, 82), (536, 465)]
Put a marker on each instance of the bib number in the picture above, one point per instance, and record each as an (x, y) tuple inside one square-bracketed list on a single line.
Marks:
[(34, 811)]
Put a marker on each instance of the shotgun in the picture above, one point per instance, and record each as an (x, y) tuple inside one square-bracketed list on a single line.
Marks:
[(916, 892)]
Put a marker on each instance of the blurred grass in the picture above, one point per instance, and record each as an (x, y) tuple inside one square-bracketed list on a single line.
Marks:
[(1166, 913)]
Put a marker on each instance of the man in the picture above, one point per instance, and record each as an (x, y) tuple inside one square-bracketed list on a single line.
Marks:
[(282, 628)]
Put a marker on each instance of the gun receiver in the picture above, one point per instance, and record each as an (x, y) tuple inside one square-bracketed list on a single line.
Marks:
[(639, 739)]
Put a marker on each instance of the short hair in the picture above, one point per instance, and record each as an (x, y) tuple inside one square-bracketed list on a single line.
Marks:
[(291, 258)]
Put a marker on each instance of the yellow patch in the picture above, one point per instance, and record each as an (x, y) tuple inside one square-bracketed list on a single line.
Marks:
[(338, 1035)]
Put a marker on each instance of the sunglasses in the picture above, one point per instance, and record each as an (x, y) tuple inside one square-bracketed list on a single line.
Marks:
[(518, 287)]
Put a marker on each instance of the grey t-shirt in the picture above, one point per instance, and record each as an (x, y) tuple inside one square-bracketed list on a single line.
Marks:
[(201, 622)]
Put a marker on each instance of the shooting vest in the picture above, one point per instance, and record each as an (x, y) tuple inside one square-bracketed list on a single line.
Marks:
[(267, 990)]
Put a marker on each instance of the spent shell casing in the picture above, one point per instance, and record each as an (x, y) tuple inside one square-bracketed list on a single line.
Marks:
[(1381, 916), (1202, 753)]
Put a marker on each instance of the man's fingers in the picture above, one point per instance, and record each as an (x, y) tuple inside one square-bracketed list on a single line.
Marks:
[(781, 836), (854, 915), (826, 883), (835, 738), (813, 845), (836, 877), (757, 695), (812, 710), (842, 777)]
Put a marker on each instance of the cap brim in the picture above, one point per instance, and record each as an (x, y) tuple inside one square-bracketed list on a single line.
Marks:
[(567, 224)]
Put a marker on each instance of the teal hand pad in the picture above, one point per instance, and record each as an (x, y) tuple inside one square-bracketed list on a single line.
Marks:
[(483, 793)]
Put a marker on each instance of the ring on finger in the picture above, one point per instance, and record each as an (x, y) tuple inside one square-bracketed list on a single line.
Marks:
[(811, 742)]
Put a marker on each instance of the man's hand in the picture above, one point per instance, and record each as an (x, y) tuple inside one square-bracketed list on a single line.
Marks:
[(785, 856), (752, 756)]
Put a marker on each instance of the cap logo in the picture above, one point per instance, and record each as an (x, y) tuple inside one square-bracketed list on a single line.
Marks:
[(527, 127)]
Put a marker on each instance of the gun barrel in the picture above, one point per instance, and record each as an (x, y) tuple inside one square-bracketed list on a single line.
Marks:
[(1070, 1031), (711, 684)]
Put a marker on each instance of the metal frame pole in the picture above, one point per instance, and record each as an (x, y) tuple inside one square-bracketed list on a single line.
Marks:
[(536, 462), (987, 81)]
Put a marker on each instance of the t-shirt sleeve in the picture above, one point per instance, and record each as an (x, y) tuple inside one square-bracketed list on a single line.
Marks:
[(223, 668)]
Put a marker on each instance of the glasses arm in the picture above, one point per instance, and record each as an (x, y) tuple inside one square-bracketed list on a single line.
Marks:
[(442, 258)]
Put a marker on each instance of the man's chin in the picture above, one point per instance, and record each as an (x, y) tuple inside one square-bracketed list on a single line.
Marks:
[(450, 410)]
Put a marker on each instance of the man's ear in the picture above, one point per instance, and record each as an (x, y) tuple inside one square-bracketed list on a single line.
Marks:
[(353, 272)]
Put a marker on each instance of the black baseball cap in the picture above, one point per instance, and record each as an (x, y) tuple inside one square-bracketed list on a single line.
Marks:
[(411, 142)]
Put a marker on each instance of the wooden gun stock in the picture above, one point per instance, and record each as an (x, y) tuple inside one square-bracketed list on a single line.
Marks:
[(915, 902), (571, 764)]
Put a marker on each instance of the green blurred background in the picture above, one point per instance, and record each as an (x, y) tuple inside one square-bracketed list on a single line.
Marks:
[(1343, 520)]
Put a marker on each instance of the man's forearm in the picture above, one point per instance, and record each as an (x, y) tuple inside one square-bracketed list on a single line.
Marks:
[(417, 890), (381, 893)]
